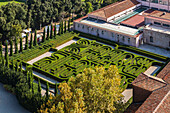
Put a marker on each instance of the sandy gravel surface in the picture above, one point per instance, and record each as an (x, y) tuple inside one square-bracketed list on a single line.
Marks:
[(9, 102)]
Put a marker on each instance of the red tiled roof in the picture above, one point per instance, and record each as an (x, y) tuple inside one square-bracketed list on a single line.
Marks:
[(78, 20), (114, 8), (135, 21), (159, 100)]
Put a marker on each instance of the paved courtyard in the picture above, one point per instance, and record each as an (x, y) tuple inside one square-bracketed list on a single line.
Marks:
[(9, 102)]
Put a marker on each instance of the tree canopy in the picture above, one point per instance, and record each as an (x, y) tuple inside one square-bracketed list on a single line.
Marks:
[(94, 90)]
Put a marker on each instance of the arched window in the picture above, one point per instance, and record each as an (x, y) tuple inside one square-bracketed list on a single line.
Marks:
[(151, 39), (113, 35), (83, 27), (102, 32), (78, 25), (123, 38), (92, 29), (128, 40)]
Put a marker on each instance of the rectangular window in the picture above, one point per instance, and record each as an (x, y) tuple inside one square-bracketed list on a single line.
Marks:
[(123, 38), (166, 25), (151, 39), (113, 35), (157, 23), (154, 1), (128, 40)]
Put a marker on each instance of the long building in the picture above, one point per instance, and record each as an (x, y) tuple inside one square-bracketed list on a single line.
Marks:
[(130, 22)]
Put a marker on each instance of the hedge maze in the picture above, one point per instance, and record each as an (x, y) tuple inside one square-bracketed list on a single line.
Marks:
[(72, 60)]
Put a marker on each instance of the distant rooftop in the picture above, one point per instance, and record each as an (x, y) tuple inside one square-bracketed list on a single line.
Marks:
[(158, 14), (158, 29), (114, 8), (108, 26)]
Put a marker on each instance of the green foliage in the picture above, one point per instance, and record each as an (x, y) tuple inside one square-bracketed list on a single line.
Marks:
[(11, 47), (26, 42), (55, 31), (69, 24), (47, 90), (51, 34), (62, 27), (1, 49), (31, 41), (21, 45), (43, 38), (16, 46), (35, 38), (48, 33), (65, 26), (6, 54)]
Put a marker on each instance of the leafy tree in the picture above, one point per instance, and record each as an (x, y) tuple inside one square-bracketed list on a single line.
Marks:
[(16, 46), (94, 90), (20, 67), (39, 87), (17, 67), (48, 33), (1, 49), (51, 34), (21, 45), (31, 41), (89, 7), (11, 48), (26, 42), (44, 38), (13, 67), (62, 27), (35, 38), (56, 89)]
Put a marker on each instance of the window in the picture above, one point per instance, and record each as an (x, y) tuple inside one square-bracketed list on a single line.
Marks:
[(157, 23), (151, 39), (113, 35), (117, 36), (83, 27), (123, 38), (154, 1), (92, 29), (128, 40), (102, 32), (166, 25), (97, 31)]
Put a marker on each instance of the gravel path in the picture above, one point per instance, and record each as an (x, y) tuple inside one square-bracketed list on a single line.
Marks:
[(9, 103)]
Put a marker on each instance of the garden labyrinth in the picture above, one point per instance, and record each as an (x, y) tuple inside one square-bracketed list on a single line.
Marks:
[(73, 59)]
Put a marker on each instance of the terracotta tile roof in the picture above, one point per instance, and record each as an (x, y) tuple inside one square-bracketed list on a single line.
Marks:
[(114, 8), (159, 100), (148, 82), (135, 21), (157, 14)]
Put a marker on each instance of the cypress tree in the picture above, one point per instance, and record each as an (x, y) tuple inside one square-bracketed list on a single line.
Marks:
[(48, 33), (56, 89), (31, 41), (1, 49), (35, 38), (21, 46), (55, 31), (69, 24), (51, 34), (6, 49), (11, 48), (43, 39), (32, 86), (6, 54), (47, 90), (16, 46), (62, 27), (65, 26), (39, 86), (26, 42), (3, 60), (59, 30)]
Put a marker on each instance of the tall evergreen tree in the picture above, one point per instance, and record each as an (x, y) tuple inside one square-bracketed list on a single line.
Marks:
[(6, 54), (3, 60), (31, 41), (17, 67), (69, 24), (26, 42), (62, 27), (39, 86), (56, 89), (51, 34), (44, 38), (47, 90), (21, 45), (13, 67), (48, 33), (1, 49), (11, 48), (35, 38), (65, 26), (55, 31), (16, 46)]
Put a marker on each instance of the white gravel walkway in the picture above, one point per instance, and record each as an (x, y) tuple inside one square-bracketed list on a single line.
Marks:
[(9, 103)]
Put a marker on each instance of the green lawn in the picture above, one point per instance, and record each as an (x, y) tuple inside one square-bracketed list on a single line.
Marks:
[(2, 2)]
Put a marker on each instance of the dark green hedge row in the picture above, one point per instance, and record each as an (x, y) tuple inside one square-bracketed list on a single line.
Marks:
[(72, 60)]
